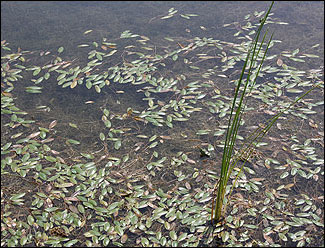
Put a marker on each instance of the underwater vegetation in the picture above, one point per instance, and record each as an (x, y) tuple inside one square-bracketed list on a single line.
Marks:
[(142, 143)]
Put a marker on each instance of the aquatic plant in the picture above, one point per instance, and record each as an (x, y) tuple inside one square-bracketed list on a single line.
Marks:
[(229, 159), (233, 124), (132, 174)]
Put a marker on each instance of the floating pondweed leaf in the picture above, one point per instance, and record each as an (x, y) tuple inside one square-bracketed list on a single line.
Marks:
[(311, 55), (166, 17), (6, 146), (173, 235), (88, 85), (153, 138), (283, 237), (203, 132), (66, 84), (279, 62), (53, 124), (297, 60), (294, 90), (259, 144), (124, 238), (36, 71), (34, 89), (73, 84), (61, 49), (250, 226), (64, 185), (117, 144), (97, 88), (111, 53), (183, 98), (73, 125), (83, 45), (61, 76), (95, 44), (72, 141), (88, 31), (33, 135), (102, 136), (50, 158), (16, 197)]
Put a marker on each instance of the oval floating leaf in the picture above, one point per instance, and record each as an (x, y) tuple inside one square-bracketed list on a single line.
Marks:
[(173, 235), (72, 141), (61, 49), (102, 136), (88, 31), (117, 144)]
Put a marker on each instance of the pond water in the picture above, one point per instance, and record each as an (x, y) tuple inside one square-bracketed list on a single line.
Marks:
[(116, 132)]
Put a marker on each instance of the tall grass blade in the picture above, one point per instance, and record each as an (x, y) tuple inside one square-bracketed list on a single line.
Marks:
[(229, 161), (234, 123)]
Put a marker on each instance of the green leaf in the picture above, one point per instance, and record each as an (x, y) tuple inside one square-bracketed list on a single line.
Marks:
[(23, 240), (169, 39), (88, 31), (50, 158), (119, 230), (108, 123), (86, 155), (173, 235), (47, 75), (36, 72), (297, 60), (60, 50), (17, 196), (117, 144), (283, 237), (97, 88), (145, 242), (88, 85), (6, 146), (30, 220), (72, 141), (102, 136), (182, 237), (153, 138), (225, 236), (153, 144), (73, 125), (71, 243), (185, 16), (106, 112)]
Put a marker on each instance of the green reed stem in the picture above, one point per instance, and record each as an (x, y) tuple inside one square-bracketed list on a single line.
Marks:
[(219, 204), (233, 125)]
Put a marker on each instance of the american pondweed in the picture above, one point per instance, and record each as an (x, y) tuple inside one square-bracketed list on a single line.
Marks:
[(139, 168)]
